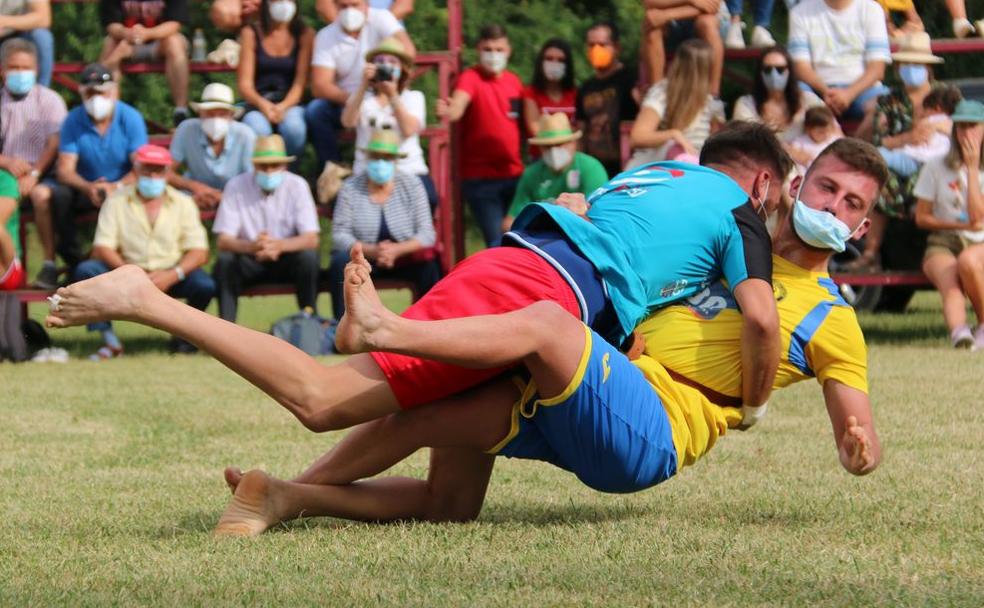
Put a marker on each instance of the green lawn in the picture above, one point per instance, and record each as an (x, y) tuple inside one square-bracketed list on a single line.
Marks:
[(111, 483)]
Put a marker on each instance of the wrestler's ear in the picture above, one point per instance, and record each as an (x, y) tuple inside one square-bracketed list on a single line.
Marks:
[(795, 183)]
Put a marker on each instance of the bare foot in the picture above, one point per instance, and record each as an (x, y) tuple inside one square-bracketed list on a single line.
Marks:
[(250, 512), (120, 294), (233, 475), (361, 327)]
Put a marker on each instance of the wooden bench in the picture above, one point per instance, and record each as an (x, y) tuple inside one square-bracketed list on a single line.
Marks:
[(889, 278)]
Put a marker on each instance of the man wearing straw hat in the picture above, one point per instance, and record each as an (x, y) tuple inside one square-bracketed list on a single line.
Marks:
[(561, 168), (267, 229)]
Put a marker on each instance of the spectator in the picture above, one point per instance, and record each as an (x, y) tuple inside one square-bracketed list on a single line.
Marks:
[(213, 148), (267, 229), (486, 100), (273, 72), (679, 112), (950, 203), (962, 27), (231, 15), (762, 17), (911, 21), (390, 106), (95, 147), (561, 168), (30, 19), (606, 99), (158, 229), (11, 269), (148, 30), (840, 49), (819, 131), (386, 211), (401, 9), (670, 22), (776, 98), (31, 115), (552, 89), (336, 67), (937, 107)]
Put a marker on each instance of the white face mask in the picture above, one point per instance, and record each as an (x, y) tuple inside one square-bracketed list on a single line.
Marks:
[(351, 19), (215, 128), (557, 157), (99, 106), (282, 11), (493, 61), (554, 70)]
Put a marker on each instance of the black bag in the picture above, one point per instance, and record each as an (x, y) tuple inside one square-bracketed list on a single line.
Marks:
[(13, 344)]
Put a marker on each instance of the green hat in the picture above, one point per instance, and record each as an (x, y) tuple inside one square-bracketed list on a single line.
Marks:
[(385, 141), (391, 46), (270, 150), (968, 110)]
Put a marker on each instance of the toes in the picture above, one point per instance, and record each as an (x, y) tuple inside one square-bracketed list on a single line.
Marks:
[(53, 321)]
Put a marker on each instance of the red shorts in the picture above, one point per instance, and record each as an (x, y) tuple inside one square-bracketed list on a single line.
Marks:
[(13, 277), (493, 281)]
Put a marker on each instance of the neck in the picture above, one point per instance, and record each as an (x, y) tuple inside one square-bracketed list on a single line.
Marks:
[(779, 95), (553, 88), (789, 247), (838, 5), (489, 72), (605, 73), (919, 92)]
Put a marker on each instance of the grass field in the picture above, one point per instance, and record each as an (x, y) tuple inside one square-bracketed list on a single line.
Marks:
[(111, 483)]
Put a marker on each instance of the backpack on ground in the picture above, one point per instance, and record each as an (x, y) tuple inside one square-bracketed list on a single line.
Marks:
[(307, 331)]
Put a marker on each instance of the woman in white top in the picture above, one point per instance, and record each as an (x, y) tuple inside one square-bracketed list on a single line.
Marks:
[(383, 101), (678, 112), (950, 203), (776, 98)]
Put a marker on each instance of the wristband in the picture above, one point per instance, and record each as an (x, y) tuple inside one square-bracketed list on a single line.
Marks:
[(751, 414), (180, 272)]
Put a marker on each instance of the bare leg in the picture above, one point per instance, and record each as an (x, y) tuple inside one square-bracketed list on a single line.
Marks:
[(970, 265), (708, 28), (655, 53), (322, 398), (942, 271), (957, 8), (41, 202), (114, 53), (174, 49)]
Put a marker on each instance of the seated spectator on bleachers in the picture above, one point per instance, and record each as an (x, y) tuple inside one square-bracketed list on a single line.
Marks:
[(950, 203), (668, 23), (30, 19), (31, 116), (273, 72), (336, 67), (231, 15), (761, 17), (906, 12), (12, 271), (387, 211), (819, 131), (937, 107), (561, 168), (679, 112), (776, 98), (149, 30), (96, 143), (840, 49), (157, 228), (212, 149), (390, 105), (962, 27), (487, 99), (552, 89), (606, 98), (401, 9), (267, 229)]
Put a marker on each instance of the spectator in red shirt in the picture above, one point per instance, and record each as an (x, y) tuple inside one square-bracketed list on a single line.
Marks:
[(552, 90), (486, 100)]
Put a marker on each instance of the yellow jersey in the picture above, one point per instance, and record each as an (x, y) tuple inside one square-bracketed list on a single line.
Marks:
[(700, 340)]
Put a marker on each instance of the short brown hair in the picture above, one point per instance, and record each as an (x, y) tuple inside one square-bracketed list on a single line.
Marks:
[(742, 142), (818, 116), (944, 97), (858, 155), (492, 31)]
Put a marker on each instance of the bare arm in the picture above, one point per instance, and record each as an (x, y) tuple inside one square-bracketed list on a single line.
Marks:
[(246, 71), (161, 31), (192, 260), (306, 240), (404, 39), (805, 72), (873, 72), (857, 444), (759, 340), (227, 242), (323, 85), (48, 154), (531, 116), (927, 221), (326, 10), (401, 8), (353, 105), (67, 173), (408, 123), (38, 17), (647, 134), (454, 109), (108, 256)]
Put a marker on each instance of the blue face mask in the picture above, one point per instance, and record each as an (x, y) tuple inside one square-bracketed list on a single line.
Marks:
[(913, 75), (775, 80), (268, 182), (150, 187), (380, 171), (20, 82), (819, 228)]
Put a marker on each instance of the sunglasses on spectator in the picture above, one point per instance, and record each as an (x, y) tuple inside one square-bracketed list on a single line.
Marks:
[(778, 70)]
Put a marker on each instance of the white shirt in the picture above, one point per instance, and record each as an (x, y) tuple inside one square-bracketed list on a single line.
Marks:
[(937, 146), (374, 116), (337, 50), (246, 210), (745, 110), (947, 190), (696, 132), (838, 43)]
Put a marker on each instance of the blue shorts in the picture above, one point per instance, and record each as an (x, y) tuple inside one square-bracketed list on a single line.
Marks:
[(608, 426)]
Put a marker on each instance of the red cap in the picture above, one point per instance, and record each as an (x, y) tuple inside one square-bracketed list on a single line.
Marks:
[(150, 154)]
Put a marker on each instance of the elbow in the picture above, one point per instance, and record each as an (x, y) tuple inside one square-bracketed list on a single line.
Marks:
[(762, 325)]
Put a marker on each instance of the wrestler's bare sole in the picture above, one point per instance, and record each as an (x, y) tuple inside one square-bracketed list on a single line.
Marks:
[(251, 510), (120, 294)]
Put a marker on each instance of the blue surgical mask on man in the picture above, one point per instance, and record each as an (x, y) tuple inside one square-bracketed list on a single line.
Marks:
[(380, 170), (269, 181), (819, 228), (913, 75), (150, 187), (20, 82)]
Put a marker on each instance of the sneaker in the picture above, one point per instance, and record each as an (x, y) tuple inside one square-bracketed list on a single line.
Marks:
[(962, 28), (47, 277), (978, 339), (177, 346), (761, 38), (179, 115), (105, 353), (734, 39), (961, 337)]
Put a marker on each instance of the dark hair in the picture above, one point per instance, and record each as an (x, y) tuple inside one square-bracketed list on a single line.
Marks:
[(492, 31), (539, 79), (858, 155), (742, 142), (612, 27), (296, 25), (818, 116), (792, 91), (944, 97)]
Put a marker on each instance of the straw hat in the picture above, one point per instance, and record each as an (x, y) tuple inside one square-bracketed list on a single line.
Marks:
[(554, 129), (968, 110), (385, 141), (915, 48), (270, 150), (217, 96), (391, 46)]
